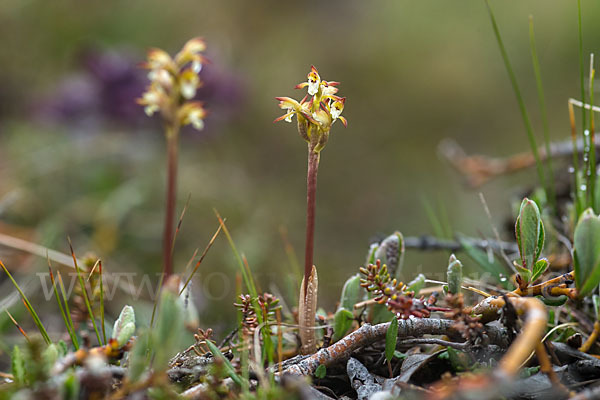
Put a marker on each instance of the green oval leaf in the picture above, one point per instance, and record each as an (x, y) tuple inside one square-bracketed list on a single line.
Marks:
[(351, 293), (391, 337), (586, 252), (321, 371), (342, 322), (529, 232)]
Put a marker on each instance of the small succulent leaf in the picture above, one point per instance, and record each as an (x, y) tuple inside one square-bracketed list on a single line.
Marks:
[(391, 251), (321, 371), (342, 322), (596, 302), (169, 330), (70, 387), (124, 326), (138, 356), (539, 268), (586, 252), (454, 275), (351, 293), (399, 355), (228, 367), (529, 223), (18, 366), (391, 337), (50, 355), (416, 284)]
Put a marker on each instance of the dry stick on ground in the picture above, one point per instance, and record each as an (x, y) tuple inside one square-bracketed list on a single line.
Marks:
[(426, 242), (585, 347), (479, 169), (365, 335), (553, 287)]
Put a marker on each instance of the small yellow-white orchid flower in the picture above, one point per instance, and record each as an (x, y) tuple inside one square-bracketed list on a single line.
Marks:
[(190, 53), (292, 107), (188, 83), (335, 109), (152, 99), (159, 59), (329, 88), (193, 113), (313, 82)]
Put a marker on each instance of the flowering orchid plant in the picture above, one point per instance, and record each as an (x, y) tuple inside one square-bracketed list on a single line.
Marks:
[(316, 113), (174, 82)]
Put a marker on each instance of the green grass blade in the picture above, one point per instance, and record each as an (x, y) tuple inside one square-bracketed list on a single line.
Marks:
[(228, 367), (67, 309), (102, 302), (208, 246), (29, 307), (14, 321), (544, 114), (248, 279), (155, 305), (581, 69), (86, 298), (62, 309), (592, 159), (522, 108)]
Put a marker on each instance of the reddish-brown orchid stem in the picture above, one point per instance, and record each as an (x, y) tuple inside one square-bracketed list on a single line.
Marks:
[(172, 134), (311, 194)]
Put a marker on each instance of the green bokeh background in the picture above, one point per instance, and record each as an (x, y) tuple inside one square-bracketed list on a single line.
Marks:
[(414, 73)]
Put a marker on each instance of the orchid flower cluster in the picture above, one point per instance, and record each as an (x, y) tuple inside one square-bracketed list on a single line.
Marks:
[(173, 84), (317, 111)]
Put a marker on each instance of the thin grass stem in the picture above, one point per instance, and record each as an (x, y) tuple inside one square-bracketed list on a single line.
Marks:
[(581, 68), (576, 173), (102, 302), (86, 298), (67, 309), (592, 147), (62, 309), (14, 321), (29, 307), (248, 279), (522, 108), (544, 114), (208, 246)]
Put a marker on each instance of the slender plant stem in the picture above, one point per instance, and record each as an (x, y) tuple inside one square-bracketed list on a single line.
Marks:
[(542, 102), (172, 132), (576, 191), (520, 101), (592, 139), (311, 194), (581, 69)]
